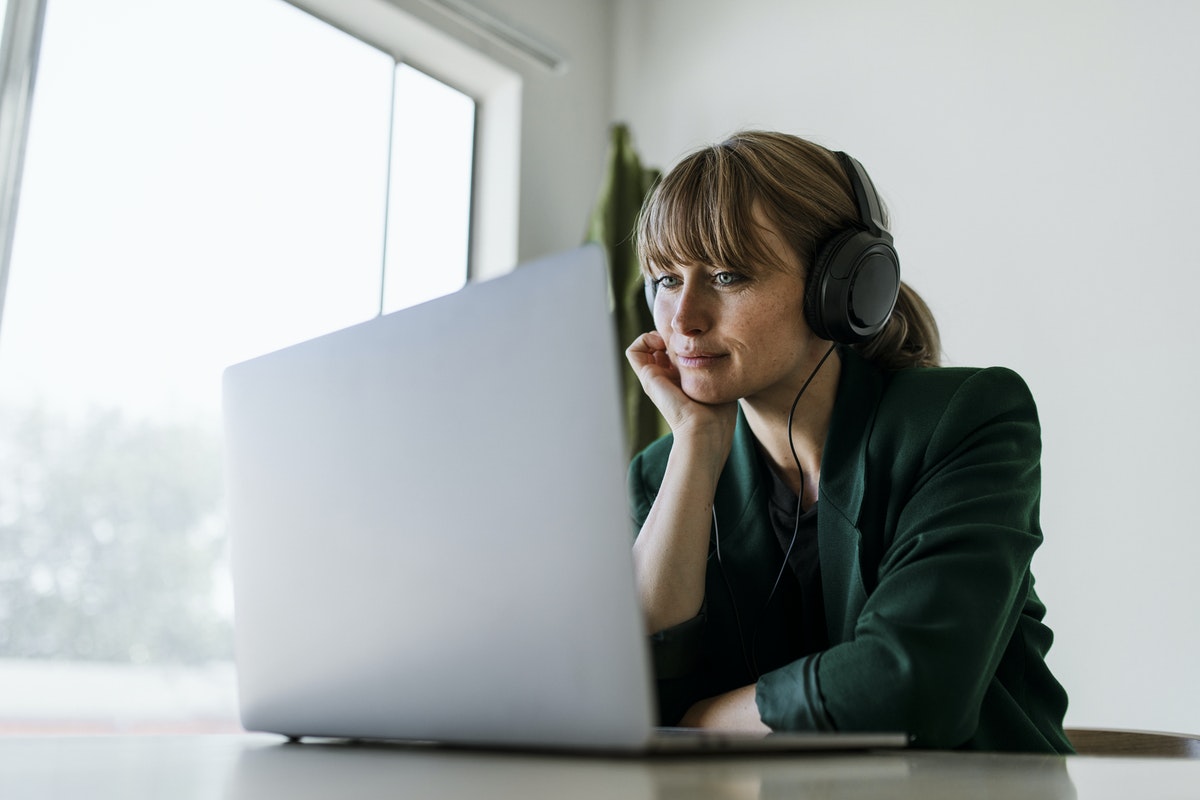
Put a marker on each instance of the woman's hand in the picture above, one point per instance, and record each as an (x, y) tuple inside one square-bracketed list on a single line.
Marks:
[(661, 382)]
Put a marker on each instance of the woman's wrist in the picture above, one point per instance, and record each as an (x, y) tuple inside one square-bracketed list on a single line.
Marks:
[(704, 448)]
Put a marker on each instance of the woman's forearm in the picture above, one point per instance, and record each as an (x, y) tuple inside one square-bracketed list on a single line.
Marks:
[(732, 711), (671, 552)]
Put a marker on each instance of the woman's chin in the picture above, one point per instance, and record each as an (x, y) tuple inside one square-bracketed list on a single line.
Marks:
[(703, 392)]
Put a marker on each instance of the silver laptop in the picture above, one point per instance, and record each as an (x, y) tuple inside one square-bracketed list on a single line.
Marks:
[(430, 531)]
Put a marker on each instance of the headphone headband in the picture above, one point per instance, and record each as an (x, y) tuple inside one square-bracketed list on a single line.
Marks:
[(870, 210)]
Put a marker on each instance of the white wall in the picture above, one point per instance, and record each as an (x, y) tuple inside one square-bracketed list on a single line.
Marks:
[(565, 120), (1041, 165)]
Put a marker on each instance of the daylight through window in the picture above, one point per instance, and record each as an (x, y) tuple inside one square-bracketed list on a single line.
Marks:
[(205, 181)]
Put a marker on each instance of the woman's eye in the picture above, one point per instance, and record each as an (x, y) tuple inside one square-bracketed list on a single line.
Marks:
[(726, 278), (666, 282)]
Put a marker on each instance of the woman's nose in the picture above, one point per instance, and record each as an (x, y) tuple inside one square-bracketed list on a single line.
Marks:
[(691, 313)]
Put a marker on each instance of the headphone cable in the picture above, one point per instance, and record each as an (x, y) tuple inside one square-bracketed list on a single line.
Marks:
[(799, 506), (752, 658)]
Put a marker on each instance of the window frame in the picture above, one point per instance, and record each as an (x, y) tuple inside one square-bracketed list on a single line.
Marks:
[(19, 48), (496, 90)]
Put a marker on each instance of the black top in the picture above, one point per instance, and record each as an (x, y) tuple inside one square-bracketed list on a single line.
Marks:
[(799, 587)]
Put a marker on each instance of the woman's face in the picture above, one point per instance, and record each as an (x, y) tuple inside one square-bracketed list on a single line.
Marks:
[(733, 336)]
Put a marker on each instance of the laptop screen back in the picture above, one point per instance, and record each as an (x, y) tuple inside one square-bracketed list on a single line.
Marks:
[(429, 527)]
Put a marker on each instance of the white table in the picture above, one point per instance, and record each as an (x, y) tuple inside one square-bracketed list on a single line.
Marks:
[(240, 767)]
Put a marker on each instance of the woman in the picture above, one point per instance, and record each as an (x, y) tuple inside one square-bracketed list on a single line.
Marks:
[(837, 534)]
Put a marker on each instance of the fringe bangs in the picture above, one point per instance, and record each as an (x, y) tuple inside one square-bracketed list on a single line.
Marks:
[(704, 212)]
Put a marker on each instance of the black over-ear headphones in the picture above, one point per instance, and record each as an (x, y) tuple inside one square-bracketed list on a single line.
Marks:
[(855, 279)]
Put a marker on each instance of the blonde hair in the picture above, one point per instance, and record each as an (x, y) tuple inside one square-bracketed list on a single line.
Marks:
[(707, 210)]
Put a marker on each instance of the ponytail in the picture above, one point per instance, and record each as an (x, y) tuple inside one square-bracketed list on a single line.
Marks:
[(909, 339)]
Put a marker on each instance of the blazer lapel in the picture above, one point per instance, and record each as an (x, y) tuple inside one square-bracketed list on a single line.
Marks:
[(842, 488)]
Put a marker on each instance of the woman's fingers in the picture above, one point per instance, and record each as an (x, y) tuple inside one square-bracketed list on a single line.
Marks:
[(661, 382)]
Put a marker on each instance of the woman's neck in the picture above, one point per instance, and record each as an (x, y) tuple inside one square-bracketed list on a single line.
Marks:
[(767, 416)]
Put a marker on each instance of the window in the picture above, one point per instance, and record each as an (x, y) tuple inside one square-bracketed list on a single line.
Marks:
[(205, 180), (430, 197)]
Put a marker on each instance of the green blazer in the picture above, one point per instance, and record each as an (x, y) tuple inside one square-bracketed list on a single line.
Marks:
[(927, 520)]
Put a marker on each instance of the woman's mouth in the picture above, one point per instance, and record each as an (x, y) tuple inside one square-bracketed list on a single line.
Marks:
[(697, 360)]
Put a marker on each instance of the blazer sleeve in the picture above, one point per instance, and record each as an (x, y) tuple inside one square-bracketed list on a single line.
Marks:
[(952, 580)]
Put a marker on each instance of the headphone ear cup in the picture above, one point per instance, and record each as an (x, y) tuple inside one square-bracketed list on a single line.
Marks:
[(852, 287), (816, 313)]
